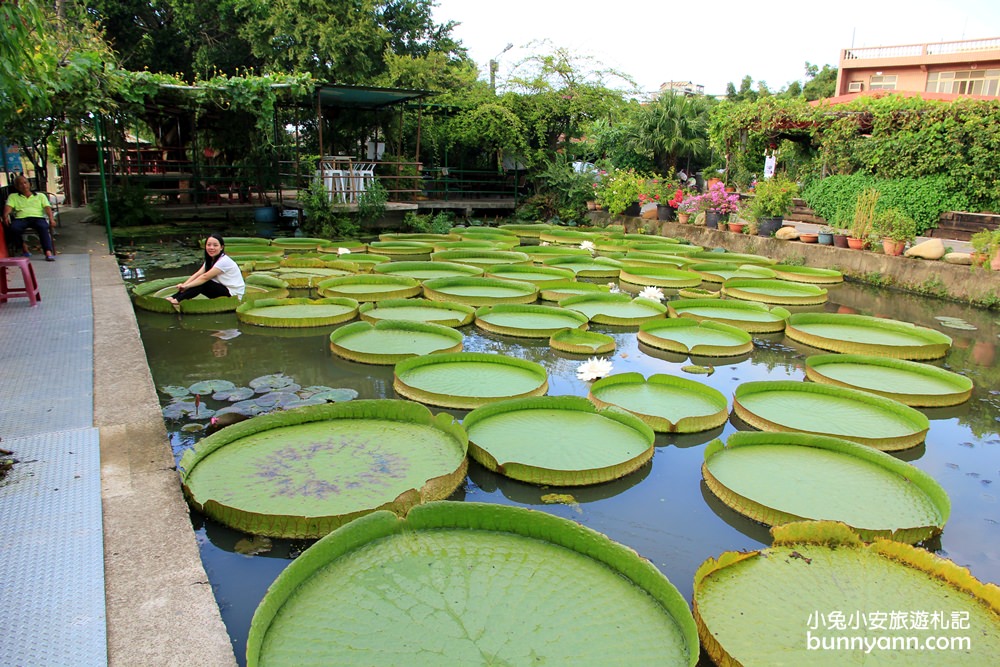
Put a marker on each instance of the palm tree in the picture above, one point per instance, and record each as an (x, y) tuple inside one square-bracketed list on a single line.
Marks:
[(672, 127)]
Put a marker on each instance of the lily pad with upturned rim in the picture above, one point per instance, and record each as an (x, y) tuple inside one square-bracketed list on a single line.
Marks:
[(698, 293), (528, 230), (808, 274), (390, 341), (418, 310), (436, 581), (616, 309), (659, 276), (732, 258), (778, 292), (393, 249), (558, 440), (687, 336), (586, 267), (300, 242), (483, 259), (778, 478), (862, 334), (908, 382), (816, 567), (578, 341), (639, 258), (751, 317), (427, 270), (370, 287), (539, 253), (467, 380), (480, 291), (301, 473), (561, 290), (528, 320), (806, 407), (720, 272), (292, 313), (667, 403), (153, 295), (537, 275)]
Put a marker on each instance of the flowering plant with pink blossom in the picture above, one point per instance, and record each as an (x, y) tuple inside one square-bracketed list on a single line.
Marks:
[(715, 199)]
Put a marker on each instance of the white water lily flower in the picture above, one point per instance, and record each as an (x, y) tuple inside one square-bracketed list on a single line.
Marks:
[(343, 251), (650, 292), (613, 288), (593, 369), (544, 243), (587, 245)]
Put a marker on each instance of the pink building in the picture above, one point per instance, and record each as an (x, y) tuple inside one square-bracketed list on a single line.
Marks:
[(969, 68)]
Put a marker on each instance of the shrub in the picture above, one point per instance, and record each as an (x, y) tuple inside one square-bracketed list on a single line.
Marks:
[(127, 206), (322, 220)]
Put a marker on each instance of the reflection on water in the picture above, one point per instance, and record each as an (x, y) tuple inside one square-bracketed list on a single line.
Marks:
[(662, 510)]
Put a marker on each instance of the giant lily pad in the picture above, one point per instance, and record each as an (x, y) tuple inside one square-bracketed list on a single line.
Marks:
[(861, 334), (578, 341), (427, 270), (808, 274), (786, 405), (390, 341), (418, 310), (528, 320), (587, 267), (539, 253), (688, 336), (908, 382), (732, 258), (780, 292), (720, 272), (303, 277), (481, 258), (211, 386), (303, 472), (480, 291), (640, 258), (816, 568), (466, 244), (408, 249), (417, 236), (570, 237), (467, 380), (659, 276), (667, 403), (537, 275), (300, 242), (751, 317), (617, 309), (660, 248), (370, 287), (153, 295), (436, 581), (238, 250), (558, 291), (777, 478), (298, 312), (558, 440), (525, 230), (366, 262)]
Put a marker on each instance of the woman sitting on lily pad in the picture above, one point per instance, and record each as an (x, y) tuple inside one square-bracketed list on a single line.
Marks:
[(219, 275)]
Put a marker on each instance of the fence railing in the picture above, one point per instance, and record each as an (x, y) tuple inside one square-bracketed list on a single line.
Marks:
[(913, 50)]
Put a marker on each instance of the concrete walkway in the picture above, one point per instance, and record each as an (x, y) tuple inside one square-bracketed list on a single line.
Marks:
[(99, 561)]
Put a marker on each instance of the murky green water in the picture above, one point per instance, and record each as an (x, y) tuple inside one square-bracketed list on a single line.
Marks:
[(663, 511)]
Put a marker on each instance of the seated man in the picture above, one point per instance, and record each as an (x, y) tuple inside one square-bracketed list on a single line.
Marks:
[(31, 209)]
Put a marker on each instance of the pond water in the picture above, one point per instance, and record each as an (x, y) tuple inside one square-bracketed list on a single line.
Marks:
[(664, 510)]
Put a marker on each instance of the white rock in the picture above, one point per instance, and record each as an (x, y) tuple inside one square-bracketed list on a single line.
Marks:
[(963, 258), (787, 234), (929, 249)]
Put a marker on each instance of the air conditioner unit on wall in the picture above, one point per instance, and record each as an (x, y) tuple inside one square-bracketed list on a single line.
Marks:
[(855, 87)]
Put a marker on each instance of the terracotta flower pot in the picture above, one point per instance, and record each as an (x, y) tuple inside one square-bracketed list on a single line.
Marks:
[(809, 238), (893, 247), (737, 227), (840, 240), (683, 218), (855, 244)]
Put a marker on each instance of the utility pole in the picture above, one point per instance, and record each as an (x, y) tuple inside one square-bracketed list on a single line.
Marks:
[(494, 66)]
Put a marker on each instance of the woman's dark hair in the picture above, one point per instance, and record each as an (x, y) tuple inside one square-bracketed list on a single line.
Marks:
[(209, 260)]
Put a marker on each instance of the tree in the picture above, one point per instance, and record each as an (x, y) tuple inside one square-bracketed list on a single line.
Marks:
[(673, 127), (821, 83)]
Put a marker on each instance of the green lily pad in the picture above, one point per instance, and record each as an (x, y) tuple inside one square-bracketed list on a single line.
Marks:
[(578, 341), (816, 568), (617, 309), (659, 277), (557, 291), (955, 323), (273, 382), (585, 266), (298, 313), (427, 270), (908, 382), (437, 579), (211, 386), (687, 336), (667, 403), (531, 230), (180, 410), (175, 391), (720, 272), (751, 317), (732, 258), (467, 380), (390, 341), (417, 236), (780, 292), (528, 320), (861, 334), (300, 242), (302, 473), (557, 440), (698, 293), (698, 370), (821, 409), (277, 399), (480, 291), (640, 258), (777, 478), (234, 394), (537, 275), (337, 395), (373, 287), (193, 428), (418, 310), (153, 295), (481, 258), (539, 253), (409, 249), (808, 274)]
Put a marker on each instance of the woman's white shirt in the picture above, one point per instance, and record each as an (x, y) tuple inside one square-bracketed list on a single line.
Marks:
[(230, 277)]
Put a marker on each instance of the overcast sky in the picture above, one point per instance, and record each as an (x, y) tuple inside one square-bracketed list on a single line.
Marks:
[(710, 42)]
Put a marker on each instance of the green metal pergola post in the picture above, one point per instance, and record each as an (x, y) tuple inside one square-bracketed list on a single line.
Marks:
[(98, 134)]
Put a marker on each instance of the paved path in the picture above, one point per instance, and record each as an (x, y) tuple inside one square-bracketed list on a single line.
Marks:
[(99, 561)]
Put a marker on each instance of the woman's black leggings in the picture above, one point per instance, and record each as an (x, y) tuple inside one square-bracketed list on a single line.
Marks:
[(211, 289)]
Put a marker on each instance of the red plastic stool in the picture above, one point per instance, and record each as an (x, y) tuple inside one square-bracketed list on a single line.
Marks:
[(30, 288)]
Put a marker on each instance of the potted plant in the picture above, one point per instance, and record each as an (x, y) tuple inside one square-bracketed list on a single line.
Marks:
[(772, 200), (687, 207), (986, 248), (864, 218), (717, 204), (896, 229), (618, 191), (825, 236)]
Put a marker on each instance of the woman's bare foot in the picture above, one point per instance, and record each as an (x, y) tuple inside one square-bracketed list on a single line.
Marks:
[(173, 301)]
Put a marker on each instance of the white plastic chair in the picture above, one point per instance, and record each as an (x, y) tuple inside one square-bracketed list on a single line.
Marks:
[(362, 176)]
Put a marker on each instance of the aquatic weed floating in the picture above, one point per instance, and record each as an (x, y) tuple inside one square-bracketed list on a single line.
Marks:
[(435, 583)]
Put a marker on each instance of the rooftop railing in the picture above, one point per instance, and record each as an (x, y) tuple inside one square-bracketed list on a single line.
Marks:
[(928, 49)]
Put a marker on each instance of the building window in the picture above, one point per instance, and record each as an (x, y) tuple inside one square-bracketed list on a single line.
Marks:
[(965, 82), (882, 82), (855, 87)]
